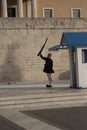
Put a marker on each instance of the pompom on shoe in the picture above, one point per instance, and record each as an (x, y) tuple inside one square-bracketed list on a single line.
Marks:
[(48, 86)]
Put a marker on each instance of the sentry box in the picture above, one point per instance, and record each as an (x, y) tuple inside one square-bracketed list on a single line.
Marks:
[(76, 42)]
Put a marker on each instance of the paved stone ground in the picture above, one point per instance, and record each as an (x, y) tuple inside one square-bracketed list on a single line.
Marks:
[(73, 118), (64, 118), (17, 120), (5, 124), (24, 121)]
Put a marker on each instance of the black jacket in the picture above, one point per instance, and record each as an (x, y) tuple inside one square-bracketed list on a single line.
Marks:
[(48, 66)]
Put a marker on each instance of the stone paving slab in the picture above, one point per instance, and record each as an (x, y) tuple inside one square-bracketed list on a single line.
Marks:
[(73, 118), (26, 122), (5, 124)]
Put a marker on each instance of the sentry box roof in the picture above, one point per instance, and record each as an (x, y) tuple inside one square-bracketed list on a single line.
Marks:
[(71, 39)]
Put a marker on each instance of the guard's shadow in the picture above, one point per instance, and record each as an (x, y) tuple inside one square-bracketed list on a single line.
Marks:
[(10, 71), (64, 75)]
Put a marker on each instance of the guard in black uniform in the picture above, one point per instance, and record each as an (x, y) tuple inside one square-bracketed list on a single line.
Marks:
[(48, 68)]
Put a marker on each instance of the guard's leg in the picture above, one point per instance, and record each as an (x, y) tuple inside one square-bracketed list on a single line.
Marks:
[(49, 79)]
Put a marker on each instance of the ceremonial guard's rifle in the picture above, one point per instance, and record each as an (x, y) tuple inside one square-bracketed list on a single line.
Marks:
[(39, 53)]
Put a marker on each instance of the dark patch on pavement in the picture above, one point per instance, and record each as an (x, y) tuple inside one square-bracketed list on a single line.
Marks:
[(74, 118), (5, 124)]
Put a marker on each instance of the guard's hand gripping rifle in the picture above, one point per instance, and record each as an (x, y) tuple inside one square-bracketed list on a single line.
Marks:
[(39, 53)]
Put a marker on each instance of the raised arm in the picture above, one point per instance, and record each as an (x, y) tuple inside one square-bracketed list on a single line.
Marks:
[(44, 58)]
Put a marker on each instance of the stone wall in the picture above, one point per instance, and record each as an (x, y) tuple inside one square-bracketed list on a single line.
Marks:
[(20, 41)]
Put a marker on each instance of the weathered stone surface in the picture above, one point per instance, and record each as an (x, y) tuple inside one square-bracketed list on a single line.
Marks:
[(20, 41)]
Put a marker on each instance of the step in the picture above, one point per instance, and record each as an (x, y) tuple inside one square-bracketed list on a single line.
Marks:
[(33, 98), (25, 101), (51, 104)]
